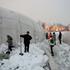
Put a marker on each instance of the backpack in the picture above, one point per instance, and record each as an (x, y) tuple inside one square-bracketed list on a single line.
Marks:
[(52, 42)]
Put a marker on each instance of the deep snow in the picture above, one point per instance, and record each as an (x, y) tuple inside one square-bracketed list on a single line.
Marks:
[(35, 59)]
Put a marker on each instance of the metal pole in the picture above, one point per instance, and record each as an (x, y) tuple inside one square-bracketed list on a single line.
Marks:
[(1, 28), (20, 39)]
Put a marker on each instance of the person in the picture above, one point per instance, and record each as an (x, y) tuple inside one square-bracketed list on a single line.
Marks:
[(27, 39), (60, 37), (49, 35), (54, 36), (10, 43), (51, 43)]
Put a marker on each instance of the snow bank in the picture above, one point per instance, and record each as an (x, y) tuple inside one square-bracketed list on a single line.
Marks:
[(36, 50), (3, 48), (61, 54), (63, 57), (34, 60)]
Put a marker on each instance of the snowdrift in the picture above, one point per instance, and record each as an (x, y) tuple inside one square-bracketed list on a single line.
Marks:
[(34, 60)]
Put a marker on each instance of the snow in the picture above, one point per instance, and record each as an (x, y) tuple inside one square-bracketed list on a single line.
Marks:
[(61, 59), (25, 62), (38, 56), (3, 47), (34, 60)]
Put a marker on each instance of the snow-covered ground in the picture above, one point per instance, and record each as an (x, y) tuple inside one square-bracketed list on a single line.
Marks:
[(61, 59), (36, 60)]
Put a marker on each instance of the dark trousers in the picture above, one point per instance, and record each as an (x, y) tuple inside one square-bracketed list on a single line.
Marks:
[(9, 47), (26, 49), (51, 47), (60, 41)]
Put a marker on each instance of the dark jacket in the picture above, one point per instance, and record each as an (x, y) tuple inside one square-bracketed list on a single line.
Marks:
[(60, 36), (9, 40), (27, 38)]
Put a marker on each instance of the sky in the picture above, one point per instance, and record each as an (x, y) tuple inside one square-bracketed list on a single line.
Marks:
[(41, 10)]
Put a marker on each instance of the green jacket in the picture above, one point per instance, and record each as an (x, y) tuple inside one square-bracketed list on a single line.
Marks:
[(52, 42)]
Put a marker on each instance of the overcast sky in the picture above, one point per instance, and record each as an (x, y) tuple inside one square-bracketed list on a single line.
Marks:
[(43, 10)]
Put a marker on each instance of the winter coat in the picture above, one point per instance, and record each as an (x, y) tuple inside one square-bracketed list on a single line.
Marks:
[(49, 35), (60, 36), (54, 36), (27, 38), (10, 40), (52, 42)]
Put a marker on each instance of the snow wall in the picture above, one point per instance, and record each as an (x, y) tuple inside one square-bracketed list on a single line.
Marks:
[(66, 37), (15, 24)]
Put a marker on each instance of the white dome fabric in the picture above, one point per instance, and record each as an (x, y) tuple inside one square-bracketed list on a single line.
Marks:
[(15, 24)]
